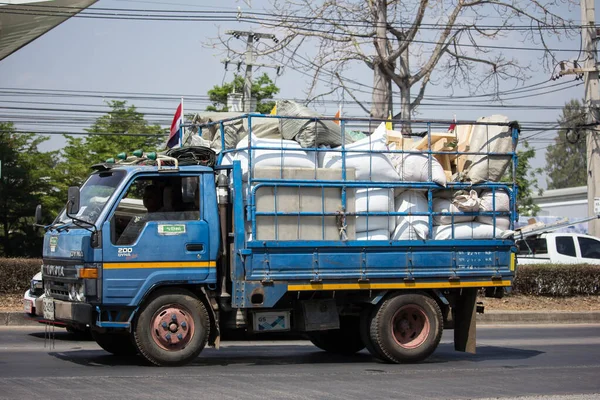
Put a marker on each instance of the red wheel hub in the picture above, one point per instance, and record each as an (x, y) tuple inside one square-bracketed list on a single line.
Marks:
[(172, 327), (410, 326)]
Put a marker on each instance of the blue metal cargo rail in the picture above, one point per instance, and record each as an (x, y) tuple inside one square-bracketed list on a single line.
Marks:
[(319, 264)]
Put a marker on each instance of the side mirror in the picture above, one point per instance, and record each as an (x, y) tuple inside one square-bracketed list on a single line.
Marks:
[(38, 214), (73, 200)]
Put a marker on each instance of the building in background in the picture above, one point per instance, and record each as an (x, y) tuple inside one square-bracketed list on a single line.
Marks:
[(557, 204)]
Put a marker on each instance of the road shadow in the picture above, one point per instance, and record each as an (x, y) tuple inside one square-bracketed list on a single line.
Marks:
[(446, 353), (63, 336), (99, 358), (269, 355)]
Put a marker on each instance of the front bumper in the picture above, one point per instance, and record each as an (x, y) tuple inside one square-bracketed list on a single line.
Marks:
[(68, 312)]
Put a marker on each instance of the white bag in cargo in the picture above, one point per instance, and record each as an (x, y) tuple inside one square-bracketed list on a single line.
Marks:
[(489, 139), (500, 203), (369, 166), (411, 227), (458, 204), (415, 168), (374, 200), (467, 230), (285, 153), (380, 234)]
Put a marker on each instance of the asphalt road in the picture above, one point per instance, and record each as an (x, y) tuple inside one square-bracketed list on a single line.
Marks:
[(540, 362)]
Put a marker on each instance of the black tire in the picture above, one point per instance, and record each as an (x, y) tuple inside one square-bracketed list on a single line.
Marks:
[(365, 329), (345, 340), (406, 328), (117, 343), (181, 339)]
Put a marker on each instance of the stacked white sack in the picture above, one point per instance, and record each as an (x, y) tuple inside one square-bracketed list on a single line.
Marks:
[(457, 204), (375, 167), (411, 227), (467, 230), (500, 203), (489, 139), (369, 166), (381, 234), (285, 154), (375, 200), (415, 168)]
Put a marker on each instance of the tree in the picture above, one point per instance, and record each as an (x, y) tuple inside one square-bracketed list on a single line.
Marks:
[(24, 183), (527, 183), (122, 129), (566, 159), (263, 88), (405, 43)]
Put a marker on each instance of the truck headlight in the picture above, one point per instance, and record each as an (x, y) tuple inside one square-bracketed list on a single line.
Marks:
[(76, 292)]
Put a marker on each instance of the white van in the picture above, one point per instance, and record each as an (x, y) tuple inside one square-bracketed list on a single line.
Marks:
[(559, 248)]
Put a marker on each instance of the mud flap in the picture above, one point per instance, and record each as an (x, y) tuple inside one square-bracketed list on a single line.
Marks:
[(464, 324)]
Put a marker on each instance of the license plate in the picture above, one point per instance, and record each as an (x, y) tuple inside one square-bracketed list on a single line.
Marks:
[(48, 305), (28, 306)]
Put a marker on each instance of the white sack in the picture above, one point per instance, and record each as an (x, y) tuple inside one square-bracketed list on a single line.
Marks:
[(382, 234), (466, 230), (446, 206), (374, 200), (489, 139), (368, 166), (415, 168), (285, 154), (467, 202), (501, 203), (411, 227)]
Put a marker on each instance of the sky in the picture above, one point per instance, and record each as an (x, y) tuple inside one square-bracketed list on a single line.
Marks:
[(85, 62)]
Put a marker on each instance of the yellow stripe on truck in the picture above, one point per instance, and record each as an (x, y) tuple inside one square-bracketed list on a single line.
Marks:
[(513, 257), (170, 264), (401, 285)]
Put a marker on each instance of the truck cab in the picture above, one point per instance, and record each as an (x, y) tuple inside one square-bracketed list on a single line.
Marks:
[(559, 248), (114, 249)]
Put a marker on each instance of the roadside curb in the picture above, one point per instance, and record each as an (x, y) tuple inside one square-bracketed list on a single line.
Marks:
[(535, 317), (16, 319), (491, 317)]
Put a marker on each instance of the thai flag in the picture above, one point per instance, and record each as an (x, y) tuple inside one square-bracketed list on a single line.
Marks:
[(175, 135)]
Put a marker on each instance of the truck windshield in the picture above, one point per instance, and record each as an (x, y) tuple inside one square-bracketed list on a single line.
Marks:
[(95, 192)]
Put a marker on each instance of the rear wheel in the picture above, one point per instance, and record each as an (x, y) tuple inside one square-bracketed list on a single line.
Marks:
[(345, 340), (117, 343), (172, 328), (365, 329), (406, 328)]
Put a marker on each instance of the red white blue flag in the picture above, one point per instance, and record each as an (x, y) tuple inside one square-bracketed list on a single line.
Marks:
[(174, 136)]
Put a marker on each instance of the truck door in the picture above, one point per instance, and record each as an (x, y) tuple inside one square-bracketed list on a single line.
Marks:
[(566, 252), (154, 234), (590, 249)]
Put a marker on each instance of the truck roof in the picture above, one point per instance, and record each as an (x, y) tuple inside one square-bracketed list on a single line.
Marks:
[(149, 168)]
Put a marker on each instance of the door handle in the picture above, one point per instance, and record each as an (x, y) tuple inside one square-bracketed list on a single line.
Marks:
[(194, 247)]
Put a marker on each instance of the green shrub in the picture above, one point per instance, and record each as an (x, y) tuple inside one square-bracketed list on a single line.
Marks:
[(16, 273), (557, 280), (538, 280)]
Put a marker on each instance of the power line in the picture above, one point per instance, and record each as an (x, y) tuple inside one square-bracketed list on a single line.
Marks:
[(231, 16)]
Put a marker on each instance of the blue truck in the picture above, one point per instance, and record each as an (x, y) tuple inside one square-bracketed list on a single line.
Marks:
[(230, 246)]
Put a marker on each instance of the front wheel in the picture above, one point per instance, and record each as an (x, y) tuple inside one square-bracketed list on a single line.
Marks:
[(172, 328), (345, 340), (117, 343), (406, 328)]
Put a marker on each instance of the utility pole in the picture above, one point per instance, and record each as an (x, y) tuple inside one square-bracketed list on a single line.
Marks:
[(249, 62), (592, 97), (589, 35)]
